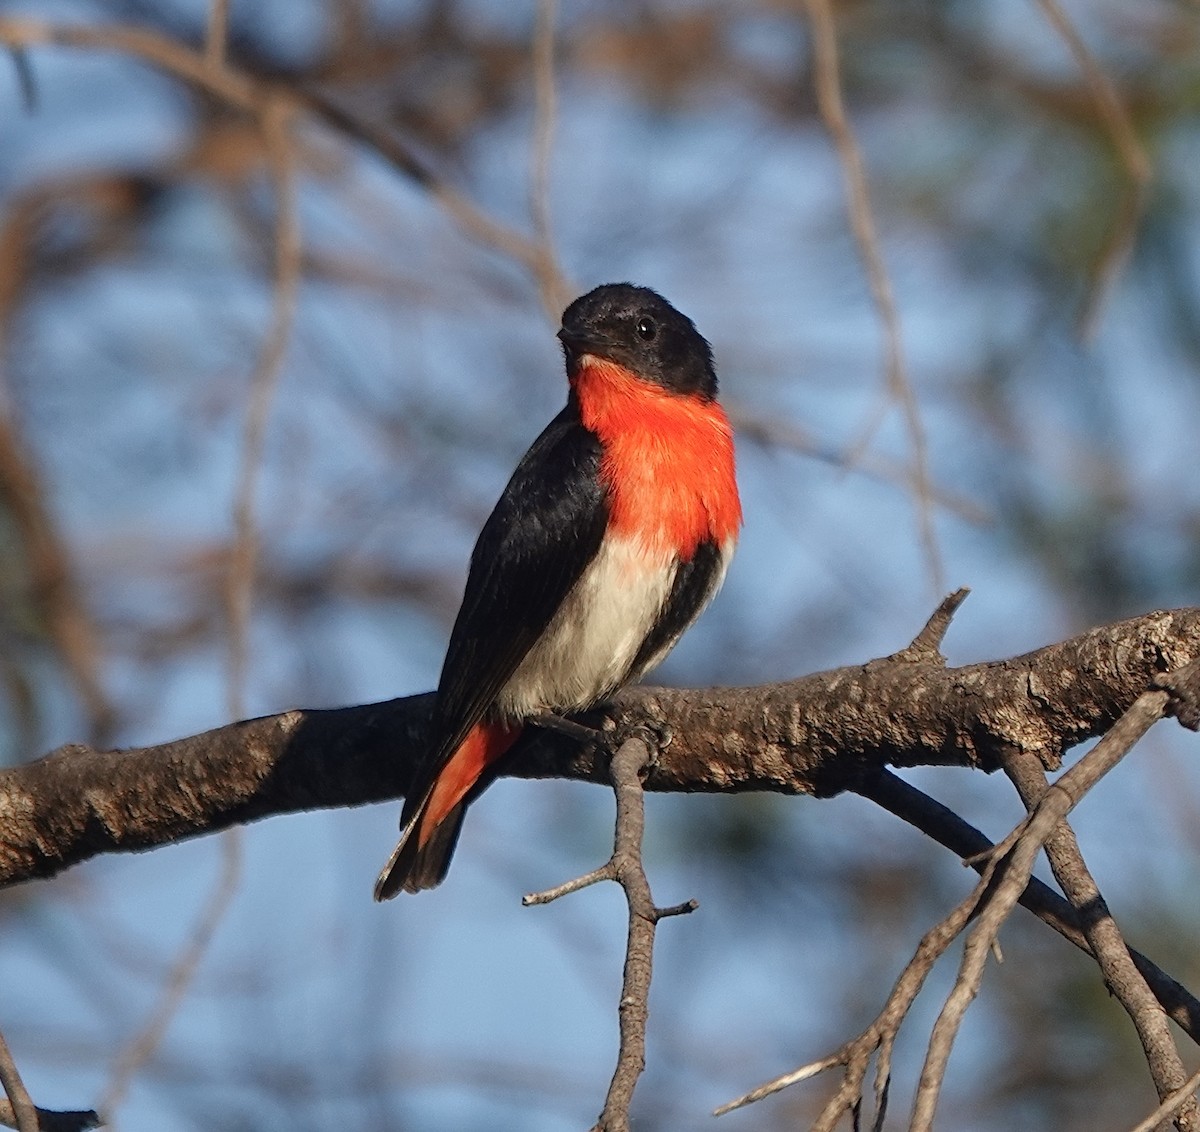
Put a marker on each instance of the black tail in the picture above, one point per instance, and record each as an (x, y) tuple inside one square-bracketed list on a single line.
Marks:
[(413, 867)]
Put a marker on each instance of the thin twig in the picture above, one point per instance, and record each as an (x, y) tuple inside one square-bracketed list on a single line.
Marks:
[(139, 1051), (634, 1009), (1133, 159), (23, 1107), (549, 895), (1018, 860), (945, 827), (625, 867), (1116, 964), (551, 284), (217, 37), (828, 84), (239, 581), (249, 94), (880, 1036), (1170, 1105)]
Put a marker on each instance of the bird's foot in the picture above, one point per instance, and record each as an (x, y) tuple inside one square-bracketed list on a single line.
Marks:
[(577, 731), (655, 733)]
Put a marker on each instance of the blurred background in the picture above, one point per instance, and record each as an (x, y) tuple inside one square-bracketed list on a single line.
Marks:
[(224, 358)]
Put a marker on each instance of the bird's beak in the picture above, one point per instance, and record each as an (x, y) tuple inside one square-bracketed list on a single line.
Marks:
[(571, 341), (574, 346)]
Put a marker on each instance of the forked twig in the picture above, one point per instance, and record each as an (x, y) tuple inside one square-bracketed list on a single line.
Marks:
[(1120, 972), (879, 1037), (1170, 1105), (1020, 851), (945, 827), (1005, 878), (626, 868)]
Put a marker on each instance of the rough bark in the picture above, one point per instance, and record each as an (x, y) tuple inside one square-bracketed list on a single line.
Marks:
[(818, 735)]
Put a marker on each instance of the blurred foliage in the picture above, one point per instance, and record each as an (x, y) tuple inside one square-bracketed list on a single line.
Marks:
[(136, 221)]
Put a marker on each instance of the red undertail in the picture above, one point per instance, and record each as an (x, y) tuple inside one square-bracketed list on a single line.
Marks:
[(431, 830)]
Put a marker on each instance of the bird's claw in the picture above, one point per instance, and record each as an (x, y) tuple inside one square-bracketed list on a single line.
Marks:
[(656, 734)]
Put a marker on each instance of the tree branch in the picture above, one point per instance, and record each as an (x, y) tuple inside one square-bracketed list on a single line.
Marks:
[(625, 867), (945, 827), (1015, 856), (819, 735), (1107, 945), (1004, 878)]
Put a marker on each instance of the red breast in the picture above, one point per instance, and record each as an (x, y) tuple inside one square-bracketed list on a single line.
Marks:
[(668, 458)]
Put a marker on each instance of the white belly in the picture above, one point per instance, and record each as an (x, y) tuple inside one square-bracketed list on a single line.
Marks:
[(589, 647)]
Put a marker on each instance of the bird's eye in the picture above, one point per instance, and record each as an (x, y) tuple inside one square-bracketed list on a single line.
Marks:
[(646, 329)]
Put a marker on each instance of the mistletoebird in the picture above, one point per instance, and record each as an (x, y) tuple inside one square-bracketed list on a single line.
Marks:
[(613, 534)]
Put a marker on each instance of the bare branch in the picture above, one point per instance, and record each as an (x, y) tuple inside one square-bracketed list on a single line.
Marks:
[(1018, 861), (143, 1046), (944, 826), (820, 734), (626, 868), (218, 33), (1104, 938), (862, 222), (1132, 157), (24, 1111), (552, 286)]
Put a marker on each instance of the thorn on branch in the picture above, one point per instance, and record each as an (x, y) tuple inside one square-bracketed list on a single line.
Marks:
[(676, 909), (926, 645)]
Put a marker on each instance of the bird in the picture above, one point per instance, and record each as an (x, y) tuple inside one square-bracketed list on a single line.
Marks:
[(613, 534)]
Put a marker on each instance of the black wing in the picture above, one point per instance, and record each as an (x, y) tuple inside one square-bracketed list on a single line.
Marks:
[(535, 545), (693, 586)]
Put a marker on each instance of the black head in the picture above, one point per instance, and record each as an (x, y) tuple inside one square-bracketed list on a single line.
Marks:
[(638, 329)]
